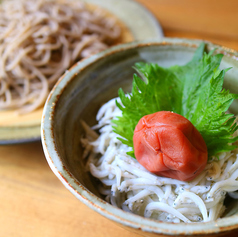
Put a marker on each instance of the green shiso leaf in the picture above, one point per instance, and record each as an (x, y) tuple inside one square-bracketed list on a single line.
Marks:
[(193, 90)]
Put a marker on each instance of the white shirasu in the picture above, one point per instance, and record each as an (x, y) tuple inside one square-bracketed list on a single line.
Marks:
[(129, 186)]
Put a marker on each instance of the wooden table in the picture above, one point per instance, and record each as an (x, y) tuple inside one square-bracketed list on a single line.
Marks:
[(33, 202)]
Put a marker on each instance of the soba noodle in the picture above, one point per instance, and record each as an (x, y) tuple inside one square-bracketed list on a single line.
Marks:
[(40, 39), (130, 186)]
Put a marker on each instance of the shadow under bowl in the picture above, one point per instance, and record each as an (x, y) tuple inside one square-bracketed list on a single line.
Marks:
[(79, 94)]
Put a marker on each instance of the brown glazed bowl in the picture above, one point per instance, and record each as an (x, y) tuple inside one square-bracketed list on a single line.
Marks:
[(78, 95)]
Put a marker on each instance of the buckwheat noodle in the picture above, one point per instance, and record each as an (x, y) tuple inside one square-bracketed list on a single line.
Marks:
[(39, 40), (129, 186)]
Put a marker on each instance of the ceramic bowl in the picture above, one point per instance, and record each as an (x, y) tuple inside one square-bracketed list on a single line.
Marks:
[(78, 95)]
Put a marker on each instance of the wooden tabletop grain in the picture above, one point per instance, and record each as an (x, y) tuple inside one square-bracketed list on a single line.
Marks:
[(33, 202)]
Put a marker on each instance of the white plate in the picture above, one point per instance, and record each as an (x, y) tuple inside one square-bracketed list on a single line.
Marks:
[(140, 23)]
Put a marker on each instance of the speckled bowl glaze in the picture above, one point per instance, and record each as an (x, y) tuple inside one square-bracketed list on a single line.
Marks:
[(78, 95)]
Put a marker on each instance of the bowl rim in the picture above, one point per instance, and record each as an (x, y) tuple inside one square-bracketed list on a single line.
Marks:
[(53, 158)]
